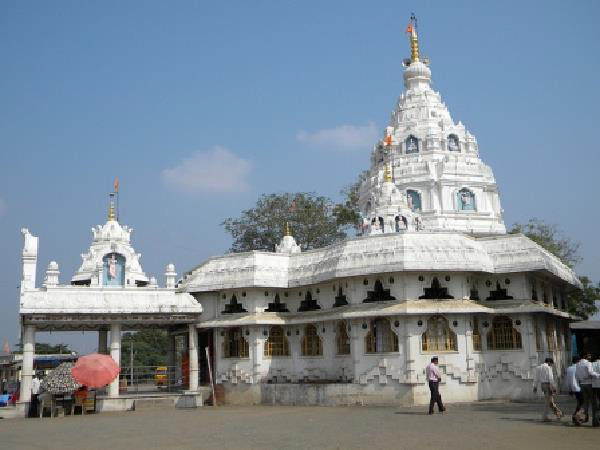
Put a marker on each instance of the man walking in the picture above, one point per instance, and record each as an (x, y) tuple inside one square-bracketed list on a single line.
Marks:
[(544, 376), (432, 373), (596, 389), (574, 389), (35, 390), (584, 373)]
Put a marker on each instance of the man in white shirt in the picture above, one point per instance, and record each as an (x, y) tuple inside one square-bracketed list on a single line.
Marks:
[(584, 373), (544, 376), (35, 390), (596, 388), (574, 389)]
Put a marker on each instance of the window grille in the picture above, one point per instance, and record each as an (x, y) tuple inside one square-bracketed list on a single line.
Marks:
[(503, 336), (311, 342), (277, 344), (439, 337), (342, 339), (381, 338), (476, 335), (235, 345), (538, 336), (551, 335)]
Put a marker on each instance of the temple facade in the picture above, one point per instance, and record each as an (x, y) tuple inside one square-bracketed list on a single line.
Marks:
[(433, 273)]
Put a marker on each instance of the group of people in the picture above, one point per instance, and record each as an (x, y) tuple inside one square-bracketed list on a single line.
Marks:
[(582, 377)]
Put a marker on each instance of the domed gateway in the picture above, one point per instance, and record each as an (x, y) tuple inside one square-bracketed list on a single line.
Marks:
[(434, 273)]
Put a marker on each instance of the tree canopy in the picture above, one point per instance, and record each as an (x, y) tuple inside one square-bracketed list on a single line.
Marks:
[(149, 348), (310, 218), (581, 303)]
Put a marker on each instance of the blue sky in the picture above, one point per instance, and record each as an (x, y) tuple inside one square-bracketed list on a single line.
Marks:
[(199, 107)]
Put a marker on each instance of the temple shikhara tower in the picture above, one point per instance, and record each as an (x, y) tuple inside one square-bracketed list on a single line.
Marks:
[(432, 272)]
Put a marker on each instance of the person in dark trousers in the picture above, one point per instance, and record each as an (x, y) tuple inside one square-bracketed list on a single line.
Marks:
[(575, 390), (432, 373), (585, 374)]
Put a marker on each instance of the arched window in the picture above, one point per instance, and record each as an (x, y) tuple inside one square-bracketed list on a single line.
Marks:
[(503, 336), (551, 335), (341, 339), (439, 337), (414, 200), (538, 336), (381, 338), (453, 145), (277, 344), (311, 342), (412, 144), (234, 345), (476, 335), (465, 200), (113, 272)]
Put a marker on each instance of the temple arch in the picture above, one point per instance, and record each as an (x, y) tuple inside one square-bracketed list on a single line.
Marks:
[(465, 200), (113, 269), (311, 342), (381, 338), (438, 337), (503, 336), (412, 145), (277, 343), (234, 344)]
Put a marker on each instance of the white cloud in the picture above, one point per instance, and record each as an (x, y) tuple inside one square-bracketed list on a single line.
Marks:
[(215, 170), (342, 137)]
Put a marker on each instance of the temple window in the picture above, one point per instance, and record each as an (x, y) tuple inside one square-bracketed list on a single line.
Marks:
[(554, 299), (381, 338), (235, 345), (277, 306), (340, 298), (113, 272), (439, 337), (381, 224), (534, 295), (465, 200), (436, 291), (476, 335), (233, 306), (538, 336), (308, 304), (277, 343), (503, 336), (412, 144), (499, 294), (414, 200), (550, 335), (378, 294), (342, 339), (311, 342), (453, 145)]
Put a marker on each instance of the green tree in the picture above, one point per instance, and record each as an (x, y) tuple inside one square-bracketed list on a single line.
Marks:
[(580, 302), (310, 218), (149, 348), (347, 213), (43, 348)]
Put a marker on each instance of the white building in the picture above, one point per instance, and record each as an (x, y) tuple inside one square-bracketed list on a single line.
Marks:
[(434, 273)]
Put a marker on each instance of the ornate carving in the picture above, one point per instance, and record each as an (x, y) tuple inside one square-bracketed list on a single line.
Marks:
[(378, 294)]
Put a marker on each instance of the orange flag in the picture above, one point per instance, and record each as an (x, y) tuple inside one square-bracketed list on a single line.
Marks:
[(388, 139), (409, 28), (116, 184)]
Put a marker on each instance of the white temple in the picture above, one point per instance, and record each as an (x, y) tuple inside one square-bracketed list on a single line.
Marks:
[(434, 273)]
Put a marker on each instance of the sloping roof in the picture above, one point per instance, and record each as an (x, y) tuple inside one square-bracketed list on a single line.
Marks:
[(397, 252)]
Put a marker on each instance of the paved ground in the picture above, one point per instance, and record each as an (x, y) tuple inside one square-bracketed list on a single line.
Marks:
[(480, 426)]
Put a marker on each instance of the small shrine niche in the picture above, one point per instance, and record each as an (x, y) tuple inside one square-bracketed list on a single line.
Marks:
[(436, 292), (378, 294), (499, 293), (340, 298), (308, 304), (277, 306), (474, 294), (233, 306)]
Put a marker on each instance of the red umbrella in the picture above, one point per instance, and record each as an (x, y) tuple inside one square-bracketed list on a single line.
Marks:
[(95, 370)]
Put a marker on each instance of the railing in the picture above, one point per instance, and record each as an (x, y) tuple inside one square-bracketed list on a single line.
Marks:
[(145, 379)]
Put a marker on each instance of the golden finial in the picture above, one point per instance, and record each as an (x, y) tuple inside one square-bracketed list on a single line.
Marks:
[(414, 39), (387, 175), (287, 229), (111, 209)]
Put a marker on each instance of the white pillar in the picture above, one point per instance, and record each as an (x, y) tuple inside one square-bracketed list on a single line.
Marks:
[(193, 347), (103, 342), (28, 355), (115, 352)]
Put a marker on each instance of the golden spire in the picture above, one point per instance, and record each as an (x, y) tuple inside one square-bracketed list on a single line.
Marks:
[(387, 176), (414, 38), (287, 229), (111, 209)]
